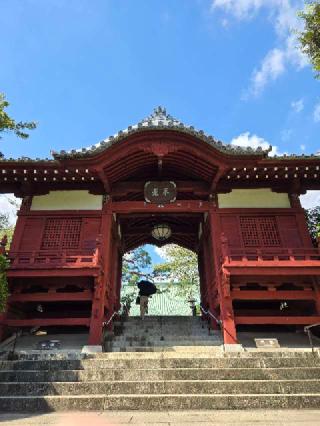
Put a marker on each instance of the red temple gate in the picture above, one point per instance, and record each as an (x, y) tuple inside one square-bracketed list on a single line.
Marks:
[(238, 209)]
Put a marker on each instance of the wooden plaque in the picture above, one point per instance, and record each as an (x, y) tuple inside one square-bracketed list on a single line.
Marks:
[(162, 192)]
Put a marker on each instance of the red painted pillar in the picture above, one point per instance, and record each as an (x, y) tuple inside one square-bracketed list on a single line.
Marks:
[(316, 287), (118, 282), (209, 282), (222, 282), (102, 281)]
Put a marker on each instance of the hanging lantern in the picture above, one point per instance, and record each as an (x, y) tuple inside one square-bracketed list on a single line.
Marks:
[(161, 232)]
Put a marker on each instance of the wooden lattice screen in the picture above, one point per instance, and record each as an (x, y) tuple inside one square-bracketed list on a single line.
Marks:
[(61, 233), (259, 231)]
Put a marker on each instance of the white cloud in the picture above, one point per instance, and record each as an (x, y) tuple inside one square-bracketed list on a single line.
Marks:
[(254, 141), (160, 252), (283, 16), (316, 113), (272, 66), (241, 9), (310, 199), (302, 147), (298, 105)]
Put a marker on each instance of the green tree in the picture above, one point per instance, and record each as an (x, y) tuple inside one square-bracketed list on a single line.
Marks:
[(310, 36), (180, 269), (135, 267), (8, 124), (6, 226), (313, 222)]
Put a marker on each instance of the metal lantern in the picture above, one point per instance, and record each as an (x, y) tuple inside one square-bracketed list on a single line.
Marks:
[(161, 232)]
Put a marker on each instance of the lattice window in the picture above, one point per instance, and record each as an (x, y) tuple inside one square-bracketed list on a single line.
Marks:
[(71, 233), (269, 232), (249, 230), (61, 233), (259, 231)]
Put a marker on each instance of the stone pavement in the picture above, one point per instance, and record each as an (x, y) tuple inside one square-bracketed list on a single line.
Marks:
[(167, 418)]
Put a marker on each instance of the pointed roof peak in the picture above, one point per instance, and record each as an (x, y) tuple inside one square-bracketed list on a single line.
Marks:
[(159, 119), (160, 116)]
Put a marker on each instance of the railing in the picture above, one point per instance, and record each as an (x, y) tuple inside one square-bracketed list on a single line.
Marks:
[(219, 323), (106, 323), (271, 254), (51, 259), (307, 330)]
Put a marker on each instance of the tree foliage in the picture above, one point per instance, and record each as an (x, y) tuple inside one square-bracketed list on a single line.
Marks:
[(313, 222), (8, 124), (6, 225), (134, 267), (181, 269), (310, 36)]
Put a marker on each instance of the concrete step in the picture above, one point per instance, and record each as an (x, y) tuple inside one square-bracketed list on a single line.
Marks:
[(108, 374), (162, 362), (162, 387), (158, 402)]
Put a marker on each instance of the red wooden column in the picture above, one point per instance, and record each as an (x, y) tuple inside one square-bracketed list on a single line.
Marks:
[(101, 282), (222, 281), (316, 287), (118, 281)]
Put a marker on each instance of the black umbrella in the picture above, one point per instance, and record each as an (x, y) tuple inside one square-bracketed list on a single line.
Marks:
[(146, 288)]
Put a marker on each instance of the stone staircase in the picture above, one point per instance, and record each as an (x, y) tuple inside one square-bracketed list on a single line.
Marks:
[(160, 333), (185, 369), (162, 381)]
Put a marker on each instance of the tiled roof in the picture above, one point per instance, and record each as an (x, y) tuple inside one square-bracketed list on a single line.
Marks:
[(159, 120)]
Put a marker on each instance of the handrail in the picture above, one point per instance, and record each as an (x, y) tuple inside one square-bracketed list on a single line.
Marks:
[(208, 312), (307, 330), (219, 322), (105, 323)]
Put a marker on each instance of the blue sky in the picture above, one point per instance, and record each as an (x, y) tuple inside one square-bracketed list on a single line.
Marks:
[(84, 69)]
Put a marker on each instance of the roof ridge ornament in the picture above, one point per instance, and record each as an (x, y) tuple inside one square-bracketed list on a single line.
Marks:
[(160, 114)]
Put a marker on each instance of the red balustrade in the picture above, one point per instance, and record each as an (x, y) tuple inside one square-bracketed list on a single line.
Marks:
[(52, 259)]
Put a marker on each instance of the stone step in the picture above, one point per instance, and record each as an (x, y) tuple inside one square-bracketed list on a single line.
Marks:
[(108, 374), (170, 338), (174, 362), (158, 402), (164, 343), (162, 387)]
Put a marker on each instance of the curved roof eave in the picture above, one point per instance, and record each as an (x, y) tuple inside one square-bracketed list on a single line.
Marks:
[(159, 120)]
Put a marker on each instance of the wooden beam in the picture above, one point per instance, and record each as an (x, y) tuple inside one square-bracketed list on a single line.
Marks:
[(46, 322), (104, 180), (190, 206), (216, 179), (273, 295), (122, 189), (51, 297), (297, 320), (279, 269), (80, 272)]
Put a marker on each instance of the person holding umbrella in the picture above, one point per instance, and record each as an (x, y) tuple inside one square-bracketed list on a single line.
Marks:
[(146, 289)]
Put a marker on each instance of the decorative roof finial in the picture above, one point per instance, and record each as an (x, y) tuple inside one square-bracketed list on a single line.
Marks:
[(160, 113)]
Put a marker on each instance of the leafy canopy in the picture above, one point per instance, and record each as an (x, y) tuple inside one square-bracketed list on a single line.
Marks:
[(8, 124), (310, 36), (313, 222), (181, 269), (135, 264)]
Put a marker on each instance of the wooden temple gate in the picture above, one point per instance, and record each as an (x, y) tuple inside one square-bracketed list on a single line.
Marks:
[(237, 208)]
